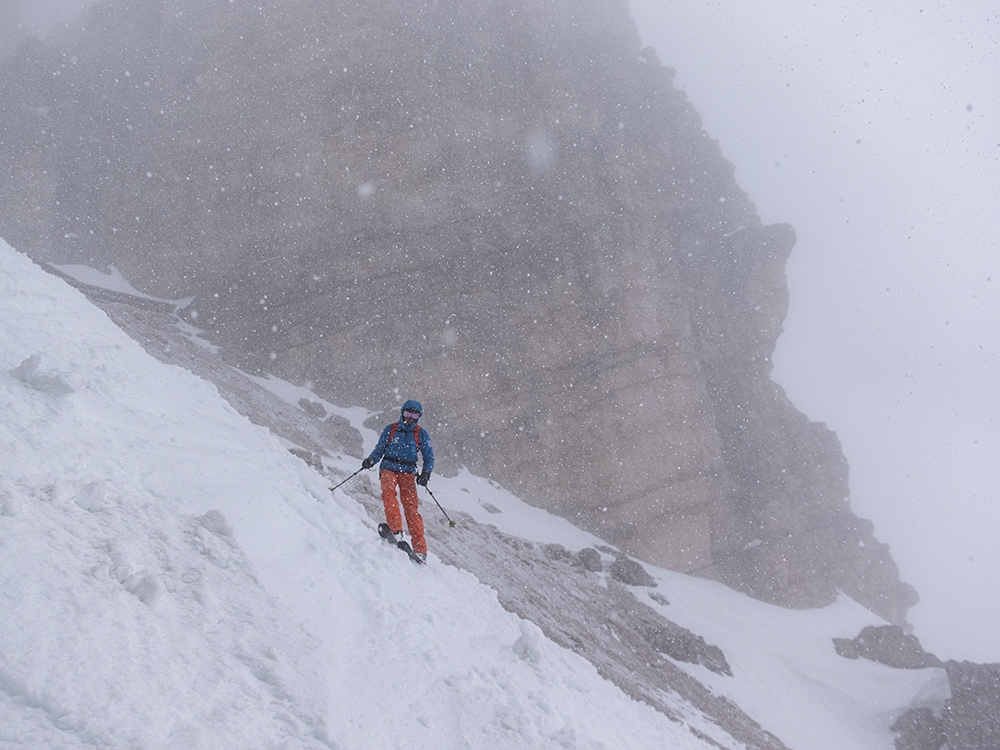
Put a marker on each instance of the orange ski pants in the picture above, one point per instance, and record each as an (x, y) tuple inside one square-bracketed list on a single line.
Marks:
[(407, 484)]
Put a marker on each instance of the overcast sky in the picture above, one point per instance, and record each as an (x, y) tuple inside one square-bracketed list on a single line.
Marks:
[(875, 131)]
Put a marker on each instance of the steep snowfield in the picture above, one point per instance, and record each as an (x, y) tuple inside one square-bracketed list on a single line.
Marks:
[(172, 577)]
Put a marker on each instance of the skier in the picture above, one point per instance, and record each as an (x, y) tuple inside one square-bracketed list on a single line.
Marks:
[(397, 448)]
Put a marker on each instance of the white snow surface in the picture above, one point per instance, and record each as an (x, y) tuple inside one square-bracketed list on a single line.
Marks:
[(172, 577)]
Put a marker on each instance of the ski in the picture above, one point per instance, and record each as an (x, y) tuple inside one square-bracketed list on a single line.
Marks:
[(405, 546), (386, 533)]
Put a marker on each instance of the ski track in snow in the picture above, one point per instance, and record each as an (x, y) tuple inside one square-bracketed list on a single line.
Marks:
[(171, 577)]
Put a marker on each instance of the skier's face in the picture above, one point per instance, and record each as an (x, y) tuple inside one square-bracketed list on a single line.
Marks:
[(410, 417)]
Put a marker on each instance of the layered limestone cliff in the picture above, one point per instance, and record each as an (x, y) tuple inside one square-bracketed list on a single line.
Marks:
[(504, 209)]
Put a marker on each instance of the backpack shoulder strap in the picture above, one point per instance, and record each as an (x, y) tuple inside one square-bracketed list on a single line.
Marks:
[(416, 434)]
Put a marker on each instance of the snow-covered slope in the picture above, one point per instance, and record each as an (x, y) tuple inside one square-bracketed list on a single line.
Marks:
[(172, 577)]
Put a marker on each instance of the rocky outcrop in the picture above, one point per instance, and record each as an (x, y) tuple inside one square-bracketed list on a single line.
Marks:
[(889, 645), (630, 572), (504, 209), (970, 717), (919, 729)]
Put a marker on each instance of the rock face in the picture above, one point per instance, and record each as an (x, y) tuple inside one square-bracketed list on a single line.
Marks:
[(971, 719), (968, 719), (919, 729), (889, 645), (503, 209)]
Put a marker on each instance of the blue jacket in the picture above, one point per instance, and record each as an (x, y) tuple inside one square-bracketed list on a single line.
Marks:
[(401, 454)]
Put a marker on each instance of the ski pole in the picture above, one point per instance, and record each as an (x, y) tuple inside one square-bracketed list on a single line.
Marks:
[(450, 522), (348, 479)]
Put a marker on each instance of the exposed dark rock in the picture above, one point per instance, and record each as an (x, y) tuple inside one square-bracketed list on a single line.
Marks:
[(556, 552), (659, 598), (919, 729), (628, 641), (315, 408), (971, 717), (309, 457), (681, 644), (630, 572), (846, 648), (889, 645), (590, 559)]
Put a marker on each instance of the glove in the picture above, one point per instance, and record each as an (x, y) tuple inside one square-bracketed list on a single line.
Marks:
[(368, 463), (424, 478)]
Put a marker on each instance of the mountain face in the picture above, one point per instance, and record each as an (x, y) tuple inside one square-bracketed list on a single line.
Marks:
[(503, 209)]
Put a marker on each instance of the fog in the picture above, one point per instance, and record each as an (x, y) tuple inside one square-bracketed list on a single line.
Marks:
[(39, 16), (875, 131)]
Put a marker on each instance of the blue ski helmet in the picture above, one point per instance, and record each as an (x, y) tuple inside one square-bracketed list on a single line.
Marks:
[(412, 405)]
